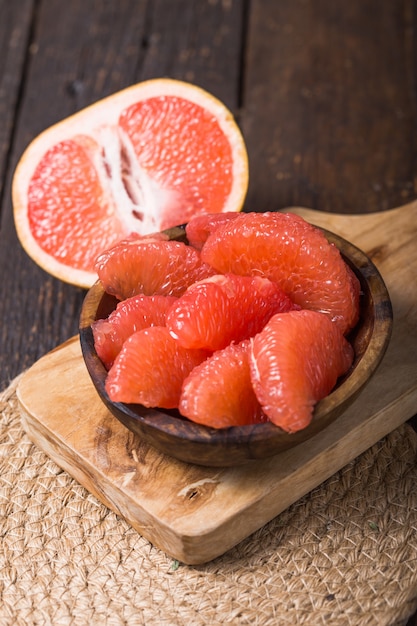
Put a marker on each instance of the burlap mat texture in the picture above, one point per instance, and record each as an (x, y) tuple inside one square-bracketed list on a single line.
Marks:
[(345, 554)]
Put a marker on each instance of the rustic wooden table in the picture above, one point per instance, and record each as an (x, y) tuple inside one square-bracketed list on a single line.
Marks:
[(325, 94)]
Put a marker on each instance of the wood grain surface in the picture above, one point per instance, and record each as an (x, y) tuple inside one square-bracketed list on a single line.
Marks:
[(195, 513), (325, 94)]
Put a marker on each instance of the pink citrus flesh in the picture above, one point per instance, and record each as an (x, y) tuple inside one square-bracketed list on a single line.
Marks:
[(224, 308), (218, 393), (201, 226), (130, 315), (295, 362), (151, 267), (288, 250), (150, 369)]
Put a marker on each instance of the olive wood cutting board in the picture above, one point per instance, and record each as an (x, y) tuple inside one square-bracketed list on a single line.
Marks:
[(195, 513)]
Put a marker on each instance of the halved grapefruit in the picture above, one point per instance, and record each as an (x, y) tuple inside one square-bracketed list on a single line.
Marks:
[(142, 160)]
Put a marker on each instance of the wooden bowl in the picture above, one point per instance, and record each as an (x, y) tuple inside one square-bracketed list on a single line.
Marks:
[(187, 441)]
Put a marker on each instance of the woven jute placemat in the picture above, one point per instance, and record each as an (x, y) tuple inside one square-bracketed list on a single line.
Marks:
[(345, 554)]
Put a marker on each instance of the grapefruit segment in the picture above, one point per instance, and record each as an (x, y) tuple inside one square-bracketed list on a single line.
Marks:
[(288, 250), (182, 128), (150, 266), (295, 362), (142, 160), (66, 195), (201, 226), (131, 315), (224, 308), (218, 393), (150, 369)]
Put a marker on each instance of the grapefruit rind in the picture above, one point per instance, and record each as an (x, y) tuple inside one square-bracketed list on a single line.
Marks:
[(106, 112)]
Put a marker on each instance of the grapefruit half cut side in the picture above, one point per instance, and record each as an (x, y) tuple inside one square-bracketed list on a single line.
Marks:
[(145, 159)]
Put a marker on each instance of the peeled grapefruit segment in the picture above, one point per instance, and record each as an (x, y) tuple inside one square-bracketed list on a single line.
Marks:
[(295, 362), (288, 250), (224, 308), (151, 267), (67, 177), (218, 393), (147, 158), (201, 226), (129, 316), (150, 369)]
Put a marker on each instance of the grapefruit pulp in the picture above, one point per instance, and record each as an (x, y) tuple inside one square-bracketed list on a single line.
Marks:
[(292, 252), (295, 362), (140, 161), (128, 317), (219, 393), (200, 227), (150, 266), (224, 308), (150, 369)]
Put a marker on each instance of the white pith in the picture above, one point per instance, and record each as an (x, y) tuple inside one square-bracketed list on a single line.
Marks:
[(137, 199)]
